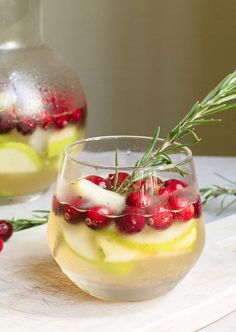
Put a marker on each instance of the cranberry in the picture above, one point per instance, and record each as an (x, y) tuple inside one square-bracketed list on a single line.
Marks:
[(160, 217), (46, 120), (7, 123), (56, 205), (170, 186), (177, 184), (26, 125), (185, 210), (132, 222), (6, 230), (1, 244), (83, 115), (71, 214), (178, 202), (61, 121), (111, 180), (198, 207), (76, 115), (97, 217), (79, 203), (138, 199), (166, 191), (98, 180)]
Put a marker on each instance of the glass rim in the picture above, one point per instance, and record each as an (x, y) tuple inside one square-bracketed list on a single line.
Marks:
[(188, 154)]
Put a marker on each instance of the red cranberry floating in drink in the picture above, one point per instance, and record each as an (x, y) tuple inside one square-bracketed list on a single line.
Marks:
[(46, 120), (26, 125), (56, 205), (121, 178), (61, 121), (71, 214), (138, 199), (76, 115), (198, 207), (80, 203), (184, 210), (97, 217), (98, 180), (170, 186), (160, 217), (7, 122), (131, 222), (6, 230)]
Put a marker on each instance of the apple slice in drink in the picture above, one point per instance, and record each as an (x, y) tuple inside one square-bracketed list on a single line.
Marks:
[(180, 236), (91, 246), (39, 140), (81, 240), (99, 196), (18, 158), (87, 244), (59, 139), (5, 138)]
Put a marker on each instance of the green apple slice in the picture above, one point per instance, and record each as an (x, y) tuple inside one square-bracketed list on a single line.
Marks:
[(18, 158), (99, 196), (149, 240), (5, 138), (39, 140), (186, 242), (114, 252), (59, 139), (81, 240)]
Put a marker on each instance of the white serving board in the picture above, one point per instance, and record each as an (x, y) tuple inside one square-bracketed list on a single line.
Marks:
[(36, 296)]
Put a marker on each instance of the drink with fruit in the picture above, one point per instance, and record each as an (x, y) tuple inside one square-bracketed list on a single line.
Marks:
[(31, 146), (126, 232), (42, 104), (126, 218)]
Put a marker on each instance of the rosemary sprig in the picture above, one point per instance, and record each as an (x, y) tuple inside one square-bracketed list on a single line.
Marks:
[(24, 223), (221, 98), (214, 191), (158, 153)]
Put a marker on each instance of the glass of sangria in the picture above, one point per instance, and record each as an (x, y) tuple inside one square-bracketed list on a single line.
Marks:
[(122, 232)]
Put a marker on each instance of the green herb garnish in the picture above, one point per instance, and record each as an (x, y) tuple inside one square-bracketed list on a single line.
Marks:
[(159, 153), (23, 223), (212, 192)]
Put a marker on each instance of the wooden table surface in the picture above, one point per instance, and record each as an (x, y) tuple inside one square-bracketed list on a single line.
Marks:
[(222, 319)]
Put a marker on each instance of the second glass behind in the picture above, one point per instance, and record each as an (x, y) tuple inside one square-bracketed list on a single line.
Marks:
[(120, 232)]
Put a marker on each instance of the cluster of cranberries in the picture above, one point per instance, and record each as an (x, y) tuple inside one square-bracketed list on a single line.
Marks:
[(140, 209), (6, 231), (57, 114)]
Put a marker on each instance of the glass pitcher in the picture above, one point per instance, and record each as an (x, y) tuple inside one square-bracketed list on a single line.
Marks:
[(42, 104)]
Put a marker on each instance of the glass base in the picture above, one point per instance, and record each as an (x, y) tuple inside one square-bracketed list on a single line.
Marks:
[(120, 294), (21, 199)]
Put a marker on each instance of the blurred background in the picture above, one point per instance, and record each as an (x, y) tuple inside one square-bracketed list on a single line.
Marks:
[(143, 63)]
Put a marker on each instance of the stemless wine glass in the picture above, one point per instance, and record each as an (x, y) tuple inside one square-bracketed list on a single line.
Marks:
[(123, 232)]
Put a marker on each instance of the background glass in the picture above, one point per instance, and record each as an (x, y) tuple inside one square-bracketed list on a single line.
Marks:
[(42, 104)]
